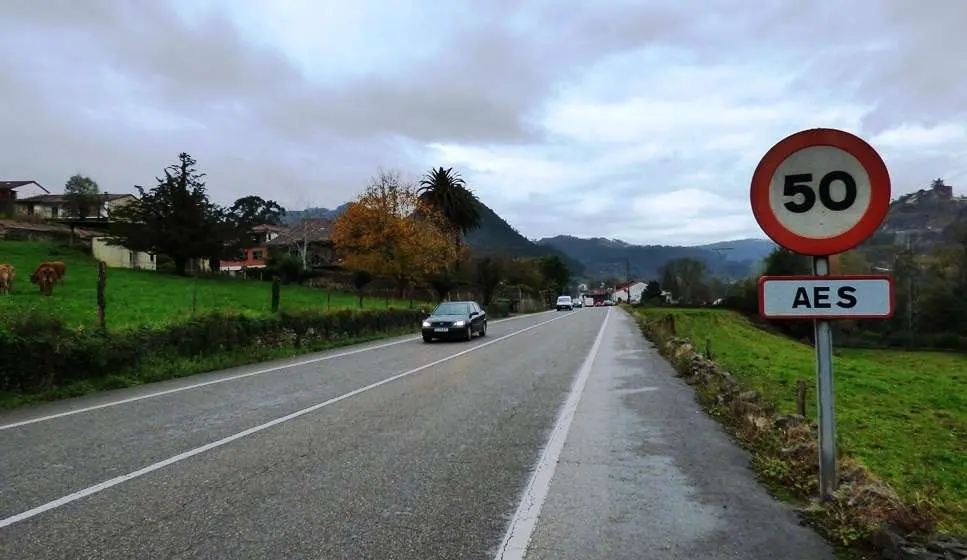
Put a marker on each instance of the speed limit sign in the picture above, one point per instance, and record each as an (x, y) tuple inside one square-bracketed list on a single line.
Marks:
[(820, 192)]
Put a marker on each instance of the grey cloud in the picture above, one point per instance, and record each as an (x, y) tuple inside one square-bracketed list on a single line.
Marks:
[(482, 86), (921, 76), (477, 89), (49, 142), (241, 109), (904, 59)]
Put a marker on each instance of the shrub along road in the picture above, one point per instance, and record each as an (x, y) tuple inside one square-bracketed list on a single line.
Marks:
[(400, 451)]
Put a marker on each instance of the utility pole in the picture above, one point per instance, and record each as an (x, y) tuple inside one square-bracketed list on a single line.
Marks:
[(628, 279)]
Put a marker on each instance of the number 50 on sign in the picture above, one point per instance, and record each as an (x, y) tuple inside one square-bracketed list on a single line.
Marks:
[(820, 192)]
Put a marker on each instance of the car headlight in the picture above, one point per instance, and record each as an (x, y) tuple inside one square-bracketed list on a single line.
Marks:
[(459, 323), (426, 324)]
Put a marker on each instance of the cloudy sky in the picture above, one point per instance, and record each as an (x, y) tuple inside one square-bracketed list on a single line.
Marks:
[(632, 119)]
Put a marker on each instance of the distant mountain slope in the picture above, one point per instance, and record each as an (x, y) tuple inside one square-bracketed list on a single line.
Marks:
[(604, 258), (293, 216), (749, 249), (496, 236)]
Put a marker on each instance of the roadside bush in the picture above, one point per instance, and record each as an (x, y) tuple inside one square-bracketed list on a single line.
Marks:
[(285, 266), (38, 352), (498, 309)]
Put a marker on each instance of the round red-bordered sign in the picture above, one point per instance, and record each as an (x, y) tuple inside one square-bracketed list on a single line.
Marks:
[(820, 192)]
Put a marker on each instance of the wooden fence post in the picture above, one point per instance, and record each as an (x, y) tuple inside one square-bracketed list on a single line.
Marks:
[(276, 293), (670, 324), (194, 295), (101, 300)]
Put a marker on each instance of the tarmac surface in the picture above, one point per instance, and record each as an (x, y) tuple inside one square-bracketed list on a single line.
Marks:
[(558, 435)]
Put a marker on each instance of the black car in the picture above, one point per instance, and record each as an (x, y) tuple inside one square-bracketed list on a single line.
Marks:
[(455, 319)]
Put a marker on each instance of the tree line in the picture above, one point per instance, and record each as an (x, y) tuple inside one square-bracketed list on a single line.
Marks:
[(177, 219), (687, 280), (411, 234), (930, 284)]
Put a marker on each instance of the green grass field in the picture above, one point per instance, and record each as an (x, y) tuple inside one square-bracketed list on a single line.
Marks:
[(903, 414), (147, 298)]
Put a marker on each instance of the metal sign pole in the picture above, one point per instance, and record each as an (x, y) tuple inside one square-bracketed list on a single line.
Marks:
[(824, 392)]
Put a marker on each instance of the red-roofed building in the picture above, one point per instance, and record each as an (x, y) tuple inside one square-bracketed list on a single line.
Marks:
[(598, 296), (256, 256)]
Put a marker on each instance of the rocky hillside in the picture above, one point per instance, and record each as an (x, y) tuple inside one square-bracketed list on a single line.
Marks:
[(922, 219)]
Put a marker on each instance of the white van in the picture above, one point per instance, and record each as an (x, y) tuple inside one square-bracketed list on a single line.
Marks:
[(564, 302)]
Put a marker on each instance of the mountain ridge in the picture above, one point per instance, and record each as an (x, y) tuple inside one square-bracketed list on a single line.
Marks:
[(609, 258), (496, 236)]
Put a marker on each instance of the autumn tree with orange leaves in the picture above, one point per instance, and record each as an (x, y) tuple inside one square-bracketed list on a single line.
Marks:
[(388, 231)]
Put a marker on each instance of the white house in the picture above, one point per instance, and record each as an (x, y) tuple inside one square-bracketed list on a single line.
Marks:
[(54, 206), (669, 297), (631, 291), (115, 256)]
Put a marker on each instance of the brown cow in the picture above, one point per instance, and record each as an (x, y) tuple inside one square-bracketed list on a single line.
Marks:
[(45, 277), (7, 273), (60, 270)]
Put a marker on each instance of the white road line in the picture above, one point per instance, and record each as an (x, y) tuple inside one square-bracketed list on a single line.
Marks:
[(518, 535), (225, 379), (226, 440)]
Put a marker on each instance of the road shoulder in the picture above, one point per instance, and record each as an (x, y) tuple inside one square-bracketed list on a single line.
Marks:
[(645, 473)]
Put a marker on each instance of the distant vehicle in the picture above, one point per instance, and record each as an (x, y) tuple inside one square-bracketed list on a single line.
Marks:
[(565, 302), (455, 319), (608, 302), (578, 302), (588, 301)]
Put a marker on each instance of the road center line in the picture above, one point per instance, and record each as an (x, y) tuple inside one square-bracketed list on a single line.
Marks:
[(223, 380), (253, 430), (521, 527)]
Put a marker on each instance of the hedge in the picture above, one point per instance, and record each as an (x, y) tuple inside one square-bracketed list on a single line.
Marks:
[(38, 352)]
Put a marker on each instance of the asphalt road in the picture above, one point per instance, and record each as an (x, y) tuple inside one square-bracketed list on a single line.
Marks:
[(562, 434)]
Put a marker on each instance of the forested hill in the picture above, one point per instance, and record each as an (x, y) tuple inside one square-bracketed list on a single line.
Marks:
[(612, 258), (495, 236), (293, 216)]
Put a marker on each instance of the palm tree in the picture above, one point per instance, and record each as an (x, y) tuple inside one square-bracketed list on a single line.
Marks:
[(445, 190)]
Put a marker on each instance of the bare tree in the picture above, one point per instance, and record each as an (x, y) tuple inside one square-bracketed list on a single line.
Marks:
[(302, 230)]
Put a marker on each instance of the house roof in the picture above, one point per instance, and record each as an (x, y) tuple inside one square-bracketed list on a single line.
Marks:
[(11, 185), (312, 230), (628, 284), (62, 198), (269, 228)]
